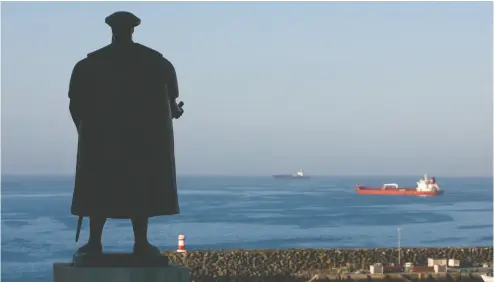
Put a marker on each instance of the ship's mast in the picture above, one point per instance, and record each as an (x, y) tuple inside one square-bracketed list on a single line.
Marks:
[(399, 246)]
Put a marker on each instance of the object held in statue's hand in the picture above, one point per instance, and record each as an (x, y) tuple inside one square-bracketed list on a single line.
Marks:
[(178, 110)]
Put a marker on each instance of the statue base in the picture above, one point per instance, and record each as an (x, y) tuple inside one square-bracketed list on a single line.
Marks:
[(67, 272), (119, 267), (119, 260)]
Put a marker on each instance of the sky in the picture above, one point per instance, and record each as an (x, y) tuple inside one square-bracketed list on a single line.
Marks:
[(331, 88)]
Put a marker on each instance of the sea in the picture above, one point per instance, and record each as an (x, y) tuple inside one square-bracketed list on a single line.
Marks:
[(37, 228)]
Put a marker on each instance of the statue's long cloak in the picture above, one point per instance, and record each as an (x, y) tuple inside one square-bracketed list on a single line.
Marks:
[(119, 101)]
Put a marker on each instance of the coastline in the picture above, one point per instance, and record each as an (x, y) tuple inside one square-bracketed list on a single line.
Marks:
[(302, 264)]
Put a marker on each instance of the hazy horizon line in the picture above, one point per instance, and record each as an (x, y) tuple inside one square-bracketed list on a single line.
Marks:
[(260, 175)]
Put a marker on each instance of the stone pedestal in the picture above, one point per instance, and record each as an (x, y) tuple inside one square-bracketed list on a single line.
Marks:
[(119, 260), (67, 272)]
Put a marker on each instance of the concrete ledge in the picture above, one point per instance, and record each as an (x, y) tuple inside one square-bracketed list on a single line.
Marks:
[(66, 272), (119, 260)]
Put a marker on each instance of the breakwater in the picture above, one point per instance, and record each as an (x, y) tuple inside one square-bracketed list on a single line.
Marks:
[(299, 264)]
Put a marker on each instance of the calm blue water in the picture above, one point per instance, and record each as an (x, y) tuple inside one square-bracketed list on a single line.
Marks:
[(243, 212)]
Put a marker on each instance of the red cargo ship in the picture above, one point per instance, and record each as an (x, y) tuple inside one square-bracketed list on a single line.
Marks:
[(425, 187)]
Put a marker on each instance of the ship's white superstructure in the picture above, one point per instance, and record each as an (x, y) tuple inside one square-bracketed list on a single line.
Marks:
[(427, 185), (299, 174)]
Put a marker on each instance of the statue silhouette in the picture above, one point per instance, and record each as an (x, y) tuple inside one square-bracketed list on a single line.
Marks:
[(122, 101)]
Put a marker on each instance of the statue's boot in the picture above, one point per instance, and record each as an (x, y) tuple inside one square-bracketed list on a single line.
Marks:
[(146, 249), (90, 249)]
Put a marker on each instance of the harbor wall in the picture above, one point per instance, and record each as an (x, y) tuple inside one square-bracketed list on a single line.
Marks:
[(299, 264)]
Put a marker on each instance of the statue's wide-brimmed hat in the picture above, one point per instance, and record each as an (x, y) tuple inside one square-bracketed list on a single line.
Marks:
[(122, 20)]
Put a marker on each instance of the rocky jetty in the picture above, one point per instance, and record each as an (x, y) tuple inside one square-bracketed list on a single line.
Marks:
[(286, 265)]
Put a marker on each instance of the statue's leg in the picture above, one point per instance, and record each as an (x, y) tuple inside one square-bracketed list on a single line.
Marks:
[(96, 224), (141, 243)]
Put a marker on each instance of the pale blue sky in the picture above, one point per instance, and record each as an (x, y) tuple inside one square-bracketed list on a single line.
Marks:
[(333, 88)]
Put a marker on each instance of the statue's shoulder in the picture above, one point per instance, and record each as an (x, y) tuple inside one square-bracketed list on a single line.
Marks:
[(93, 59), (101, 52), (144, 50), (156, 55), (82, 67), (89, 64), (168, 65)]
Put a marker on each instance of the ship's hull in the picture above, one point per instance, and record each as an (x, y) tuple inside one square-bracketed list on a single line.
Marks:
[(364, 190), (289, 176)]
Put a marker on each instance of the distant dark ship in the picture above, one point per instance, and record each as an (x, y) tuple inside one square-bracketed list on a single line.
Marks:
[(298, 175)]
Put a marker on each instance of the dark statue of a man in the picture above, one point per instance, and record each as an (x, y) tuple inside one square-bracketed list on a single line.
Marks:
[(122, 100)]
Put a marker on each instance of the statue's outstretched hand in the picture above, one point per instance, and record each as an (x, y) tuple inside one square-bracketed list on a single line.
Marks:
[(176, 109)]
